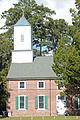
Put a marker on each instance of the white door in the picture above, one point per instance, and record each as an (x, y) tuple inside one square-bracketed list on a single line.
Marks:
[(60, 104)]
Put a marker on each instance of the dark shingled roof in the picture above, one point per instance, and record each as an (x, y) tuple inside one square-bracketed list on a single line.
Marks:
[(22, 22), (39, 69)]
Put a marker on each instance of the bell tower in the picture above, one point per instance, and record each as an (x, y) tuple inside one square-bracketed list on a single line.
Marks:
[(22, 52)]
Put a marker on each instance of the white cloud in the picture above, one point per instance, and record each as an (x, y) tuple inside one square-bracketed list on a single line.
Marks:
[(61, 8), (5, 5)]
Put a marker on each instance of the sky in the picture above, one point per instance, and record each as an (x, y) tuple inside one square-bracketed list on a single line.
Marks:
[(61, 8)]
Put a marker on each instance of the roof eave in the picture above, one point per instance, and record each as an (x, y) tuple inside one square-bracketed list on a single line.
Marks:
[(32, 78)]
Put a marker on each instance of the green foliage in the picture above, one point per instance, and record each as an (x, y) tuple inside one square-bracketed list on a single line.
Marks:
[(36, 52), (67, 57), (76, 41), (76, 17), (55, 30), (66, 61), (5, 59)]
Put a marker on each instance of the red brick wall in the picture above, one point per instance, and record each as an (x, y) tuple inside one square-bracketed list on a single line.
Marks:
[(31, 91)]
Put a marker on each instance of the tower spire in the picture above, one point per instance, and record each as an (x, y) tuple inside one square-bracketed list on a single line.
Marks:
[(22, 52)]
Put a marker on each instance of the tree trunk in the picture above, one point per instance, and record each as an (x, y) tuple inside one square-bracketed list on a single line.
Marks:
[(41, 48)]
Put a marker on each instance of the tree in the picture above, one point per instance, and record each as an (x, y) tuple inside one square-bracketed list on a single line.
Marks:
[(67, 57), (67, 68), (55, 30), (5, 59), (67, 61)]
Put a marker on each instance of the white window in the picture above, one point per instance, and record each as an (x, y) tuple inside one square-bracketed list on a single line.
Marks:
[(22, 38), (41, 84), (22, 85), (41, 102)]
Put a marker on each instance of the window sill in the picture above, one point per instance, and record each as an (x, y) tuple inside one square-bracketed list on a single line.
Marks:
[(22, 109), (41, 109), (21, 88), (40, 88)]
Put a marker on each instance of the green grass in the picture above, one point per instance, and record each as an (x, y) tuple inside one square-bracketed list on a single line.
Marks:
[(44, 118)]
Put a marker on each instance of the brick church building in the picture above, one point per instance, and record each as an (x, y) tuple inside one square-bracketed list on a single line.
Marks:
[(31, 86)]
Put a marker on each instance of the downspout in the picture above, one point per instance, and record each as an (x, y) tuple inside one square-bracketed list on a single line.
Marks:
[(50, 97)]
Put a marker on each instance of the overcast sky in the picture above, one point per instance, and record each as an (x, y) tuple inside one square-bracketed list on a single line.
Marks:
[(61, 8)]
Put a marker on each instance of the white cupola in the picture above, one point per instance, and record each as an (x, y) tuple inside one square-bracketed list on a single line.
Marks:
[(22, 52)]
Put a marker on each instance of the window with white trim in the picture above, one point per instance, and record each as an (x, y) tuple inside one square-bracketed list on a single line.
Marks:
[(41, 102), (21, 102), (41, 84), (21, 84)]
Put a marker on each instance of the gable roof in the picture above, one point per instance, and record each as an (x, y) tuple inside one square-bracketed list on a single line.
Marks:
[(22, 22), (39, 69)]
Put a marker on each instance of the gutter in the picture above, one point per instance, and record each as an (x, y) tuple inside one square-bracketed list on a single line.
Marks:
[(32, 78)]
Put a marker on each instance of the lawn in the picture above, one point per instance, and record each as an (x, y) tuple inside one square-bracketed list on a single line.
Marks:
[(44, 118)]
